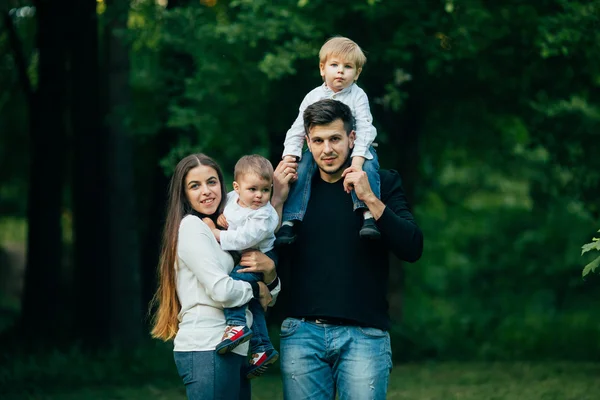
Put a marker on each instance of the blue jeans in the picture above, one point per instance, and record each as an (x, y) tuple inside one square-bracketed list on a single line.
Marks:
[(318, 360), (209, 376), (297, 201), (236, 316)]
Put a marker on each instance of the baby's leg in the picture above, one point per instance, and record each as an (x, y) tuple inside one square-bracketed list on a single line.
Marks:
[(262, 352), (236, 331)]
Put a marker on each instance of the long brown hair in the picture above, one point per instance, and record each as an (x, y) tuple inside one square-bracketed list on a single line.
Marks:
[(165, 321)]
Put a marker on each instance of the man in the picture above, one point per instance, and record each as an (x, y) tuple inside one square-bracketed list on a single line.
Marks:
[(335, 338)]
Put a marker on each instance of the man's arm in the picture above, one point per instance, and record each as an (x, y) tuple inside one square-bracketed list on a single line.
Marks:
[(397, 224), (393, 216)]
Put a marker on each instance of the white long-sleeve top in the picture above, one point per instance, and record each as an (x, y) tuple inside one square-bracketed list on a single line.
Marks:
[(204, 288), (248, 228), (355, 98)]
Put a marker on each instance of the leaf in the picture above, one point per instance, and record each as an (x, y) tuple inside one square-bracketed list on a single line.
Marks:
[(591, 267), (590, 246)]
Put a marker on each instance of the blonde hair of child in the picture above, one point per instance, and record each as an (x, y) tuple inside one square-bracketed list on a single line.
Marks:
[(345, 48)]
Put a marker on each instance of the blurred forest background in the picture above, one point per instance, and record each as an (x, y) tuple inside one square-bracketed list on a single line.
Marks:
[(489, 110)]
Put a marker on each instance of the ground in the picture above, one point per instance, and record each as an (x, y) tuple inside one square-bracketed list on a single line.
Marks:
[(423, 381)]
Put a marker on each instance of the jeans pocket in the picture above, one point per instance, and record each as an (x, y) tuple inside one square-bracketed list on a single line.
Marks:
[(184, 360), (289, 326), (372, 332)]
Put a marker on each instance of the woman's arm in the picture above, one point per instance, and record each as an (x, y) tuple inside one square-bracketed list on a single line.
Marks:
[(199, 251)]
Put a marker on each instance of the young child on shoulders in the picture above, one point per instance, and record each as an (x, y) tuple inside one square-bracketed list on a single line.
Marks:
[(251, 221), (341, 62)]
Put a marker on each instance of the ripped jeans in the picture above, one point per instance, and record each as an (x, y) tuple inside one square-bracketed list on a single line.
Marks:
[(320, 360)]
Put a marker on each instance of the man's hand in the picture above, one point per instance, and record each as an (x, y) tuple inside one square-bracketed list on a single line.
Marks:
[(256, 261), (292, 160), (284, 174), (357, 165), (356, 179), (360, 182), (222, 221)]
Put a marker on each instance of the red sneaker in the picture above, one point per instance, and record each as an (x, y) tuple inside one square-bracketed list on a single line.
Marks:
[(260, 362), (233, 337)]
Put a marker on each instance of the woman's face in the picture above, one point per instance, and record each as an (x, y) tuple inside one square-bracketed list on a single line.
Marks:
[(203, 189)]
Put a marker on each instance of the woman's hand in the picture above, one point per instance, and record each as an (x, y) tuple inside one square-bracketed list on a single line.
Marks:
[(264, 295), (256, 261)]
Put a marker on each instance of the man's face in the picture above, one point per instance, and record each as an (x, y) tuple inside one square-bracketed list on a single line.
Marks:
[(330, 146)]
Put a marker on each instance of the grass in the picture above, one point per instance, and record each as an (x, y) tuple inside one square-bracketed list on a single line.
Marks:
[(424, 381), (466, 381)]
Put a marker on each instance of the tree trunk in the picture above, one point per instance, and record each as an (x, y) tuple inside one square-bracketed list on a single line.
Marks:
[(90, 181), (125, 290), (42, 315), (177, 68)]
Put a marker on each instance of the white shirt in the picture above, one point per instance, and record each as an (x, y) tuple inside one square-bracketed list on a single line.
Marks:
[(355, 98), (204, 288), (248, 228)]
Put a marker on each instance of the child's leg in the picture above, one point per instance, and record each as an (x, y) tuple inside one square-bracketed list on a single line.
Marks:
[(295, 205), (371, 167), (236, 331), (236, 316), (262, 352), (297, 201), (260, 339), (369, 228)]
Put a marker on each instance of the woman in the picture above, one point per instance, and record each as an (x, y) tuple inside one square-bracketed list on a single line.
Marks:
[(194, 284)]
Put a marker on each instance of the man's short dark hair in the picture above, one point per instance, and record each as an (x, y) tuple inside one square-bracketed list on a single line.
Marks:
[(324, 112)]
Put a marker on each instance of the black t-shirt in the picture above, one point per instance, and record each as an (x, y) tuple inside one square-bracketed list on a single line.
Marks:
[(330, 271)]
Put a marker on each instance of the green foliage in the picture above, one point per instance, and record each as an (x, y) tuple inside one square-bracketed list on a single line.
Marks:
[(228, 56), (500, 99), (12, 230), (594, 245)]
